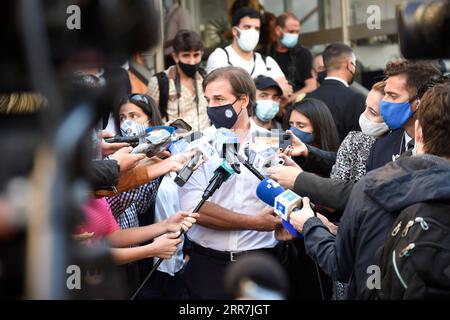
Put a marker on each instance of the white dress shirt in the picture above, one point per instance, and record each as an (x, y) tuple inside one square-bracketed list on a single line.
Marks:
[(167, 204), (338, 79), (218, 59), (238, 194)]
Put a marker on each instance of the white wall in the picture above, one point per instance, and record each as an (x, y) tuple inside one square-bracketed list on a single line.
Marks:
[(375, 57)]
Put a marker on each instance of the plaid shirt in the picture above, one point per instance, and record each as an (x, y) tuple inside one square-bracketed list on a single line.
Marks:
[(127, 206), (186, 102)]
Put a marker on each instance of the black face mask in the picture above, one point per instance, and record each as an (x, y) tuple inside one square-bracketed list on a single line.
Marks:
[(353, 75), (321, 76), (189, 69), (223, 116)]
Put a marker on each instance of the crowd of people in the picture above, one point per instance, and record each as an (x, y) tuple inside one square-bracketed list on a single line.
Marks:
[(376, 166)]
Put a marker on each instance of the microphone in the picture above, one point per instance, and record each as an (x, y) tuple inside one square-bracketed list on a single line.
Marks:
[(249, 166), (134, 139), (186, 172), (283, 201), (227, 144), (221, 174), (156, 139), (221, 146), (182, 144), (131, 140), (261, 157)]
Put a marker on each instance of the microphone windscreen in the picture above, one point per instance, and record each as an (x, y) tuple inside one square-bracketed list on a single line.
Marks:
[(268, 190)]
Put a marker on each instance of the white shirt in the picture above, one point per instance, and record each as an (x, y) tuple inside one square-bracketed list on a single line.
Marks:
[(167, 204), (337, 79), (238, 194), (218, 59)]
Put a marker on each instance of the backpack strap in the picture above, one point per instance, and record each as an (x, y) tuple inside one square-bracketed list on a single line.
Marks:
[(264, 59), (228, 56), (140, 71), (163, 84)]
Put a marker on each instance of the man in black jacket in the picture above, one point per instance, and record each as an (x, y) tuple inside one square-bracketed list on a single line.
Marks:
[(345, 104), (379, 196)]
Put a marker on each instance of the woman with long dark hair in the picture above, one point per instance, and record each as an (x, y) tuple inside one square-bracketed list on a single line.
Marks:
[(311, 121)]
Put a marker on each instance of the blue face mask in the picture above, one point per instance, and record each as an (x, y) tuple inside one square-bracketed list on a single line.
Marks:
[(266, 110), (289, 40), (395, 114), (306, 137)]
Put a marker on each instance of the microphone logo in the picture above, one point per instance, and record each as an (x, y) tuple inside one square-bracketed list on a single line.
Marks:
[(272, 184)]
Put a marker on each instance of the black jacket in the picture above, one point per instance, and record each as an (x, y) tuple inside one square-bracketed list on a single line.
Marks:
[(384, 148), (318, 161), (373, 206), (104, 174), (345, 104)]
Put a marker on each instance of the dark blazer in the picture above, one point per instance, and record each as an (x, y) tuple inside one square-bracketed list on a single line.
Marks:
[(345, 104), (384, 148)]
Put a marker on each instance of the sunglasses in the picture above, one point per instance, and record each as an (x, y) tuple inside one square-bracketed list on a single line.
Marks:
[(137, 97)]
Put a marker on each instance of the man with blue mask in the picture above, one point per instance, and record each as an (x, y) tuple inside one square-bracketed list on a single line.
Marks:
[(232, 221), (398, 108), (294, 60), (268, 95)]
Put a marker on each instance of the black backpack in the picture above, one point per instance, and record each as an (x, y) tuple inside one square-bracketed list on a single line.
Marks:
[(415, 258), (163, 85)]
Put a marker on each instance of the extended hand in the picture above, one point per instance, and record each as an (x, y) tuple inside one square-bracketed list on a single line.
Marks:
[(298, 218), (285, 175)]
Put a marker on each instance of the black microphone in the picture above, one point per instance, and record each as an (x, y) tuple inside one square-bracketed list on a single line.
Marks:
[(131, 140), (186, 172), (251, 168), (221, 174)]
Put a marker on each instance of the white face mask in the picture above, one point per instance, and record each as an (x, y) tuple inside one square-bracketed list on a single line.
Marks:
[(371, 128), (130, 128), (248, 39)]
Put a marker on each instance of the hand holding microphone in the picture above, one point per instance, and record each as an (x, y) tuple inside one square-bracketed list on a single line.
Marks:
[(298, 218), (284, 202)]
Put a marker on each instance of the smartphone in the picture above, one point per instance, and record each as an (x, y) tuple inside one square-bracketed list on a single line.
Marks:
[(276, 140), (285, 141), (180, 124)]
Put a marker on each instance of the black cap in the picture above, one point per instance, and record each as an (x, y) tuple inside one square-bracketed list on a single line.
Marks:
[(263, 82)]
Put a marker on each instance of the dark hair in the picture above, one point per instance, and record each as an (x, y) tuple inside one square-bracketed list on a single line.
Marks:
[(335, 54), (186, 40), (326, 136), (242, 13), (417, 73), (240, 81), (260, 268), (434, 117), (147, 105), (86, 80), (282, 18)]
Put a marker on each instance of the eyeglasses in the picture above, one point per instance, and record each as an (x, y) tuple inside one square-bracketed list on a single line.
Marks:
[(137, 97)]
